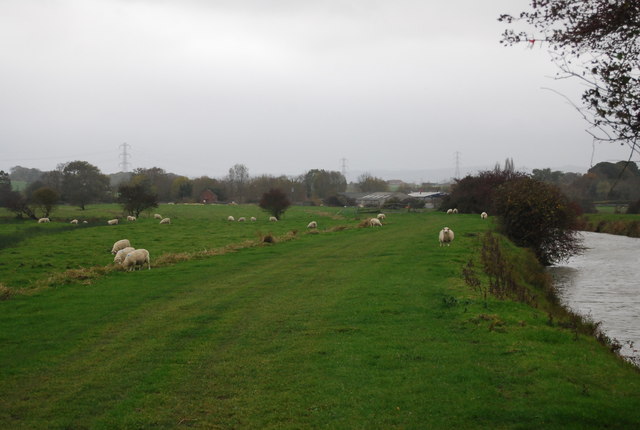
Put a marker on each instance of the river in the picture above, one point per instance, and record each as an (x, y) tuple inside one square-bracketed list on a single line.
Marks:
[(604, 284)]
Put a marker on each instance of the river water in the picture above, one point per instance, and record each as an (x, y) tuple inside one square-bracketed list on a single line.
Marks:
[(604, 284)]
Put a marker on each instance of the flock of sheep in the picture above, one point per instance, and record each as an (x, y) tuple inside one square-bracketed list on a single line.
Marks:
[(132, 259), (129, 257)]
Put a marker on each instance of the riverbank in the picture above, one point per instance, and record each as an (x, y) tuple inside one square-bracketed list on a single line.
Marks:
[(619, 224), (344, 328)]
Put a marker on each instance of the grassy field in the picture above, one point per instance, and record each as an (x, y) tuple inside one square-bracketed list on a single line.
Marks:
[(347, 328)]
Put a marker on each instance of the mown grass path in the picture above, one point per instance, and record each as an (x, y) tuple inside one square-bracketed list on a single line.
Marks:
[(361, 328)]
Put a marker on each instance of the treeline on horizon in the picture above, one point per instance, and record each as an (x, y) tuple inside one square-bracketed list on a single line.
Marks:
[(80, 183)]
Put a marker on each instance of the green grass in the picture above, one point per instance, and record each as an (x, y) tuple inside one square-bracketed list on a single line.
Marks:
[(354, 328)]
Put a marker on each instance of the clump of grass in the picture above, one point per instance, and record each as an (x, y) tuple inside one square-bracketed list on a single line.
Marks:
[(5, 292)]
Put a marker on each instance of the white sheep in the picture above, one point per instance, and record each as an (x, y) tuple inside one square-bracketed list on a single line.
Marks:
[(484, 215), (381, 216), (120, 244), (120, 255), (242, 219), (230, 218), (74, 221), (253, 219), (113, 221), (165, 221), (449, 211), (131, 218), (272, 218), (157, 216), (312, 224), (375, 222), (43, 220), (446, 236), (136, 258), (455, 210)]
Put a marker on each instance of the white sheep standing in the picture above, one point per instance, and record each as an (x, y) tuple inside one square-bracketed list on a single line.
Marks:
[(230, 218), (449, 211), (131, 218), (120, 244), (381, 216), (136, 258), (157, 216), (375, 222), (446, 236), (43, 220), (312, 224), (74, 221), (253, 219), (113, 221), (242, 219), (272, 218), (165, 221), (120, 255), (484, 215), (455, 210)]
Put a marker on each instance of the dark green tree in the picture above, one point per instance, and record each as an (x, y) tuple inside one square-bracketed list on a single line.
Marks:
[(274, 202), (45, 199), (137, 197), (5, 187), (538, 216), (83, 183)]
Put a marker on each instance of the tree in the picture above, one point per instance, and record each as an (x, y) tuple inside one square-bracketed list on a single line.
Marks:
[(320, 183), (368, 183), (5, 187), (159, 180), (45, 199), (475, 194), (597, 42), (274, 202), (82, 183), (238, 179), (136, 197), (538, 216), (182, 188)]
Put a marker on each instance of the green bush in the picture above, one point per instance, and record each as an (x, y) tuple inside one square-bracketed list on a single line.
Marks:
[(536, 215)]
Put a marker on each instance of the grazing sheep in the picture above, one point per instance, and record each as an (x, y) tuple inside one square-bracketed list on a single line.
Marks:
[(165, 221), (230, 218), (136, 258), (312, 224), (121, 244), (120, 255), (446, 236), (381, 216), (131, 218), (85, 222), (253, 218), (449, 211), (157, 216), (272, 218), (74, 221), (242, 219), (375, 222), (43, 220), (455, 211), (113, 221), (484, 215)]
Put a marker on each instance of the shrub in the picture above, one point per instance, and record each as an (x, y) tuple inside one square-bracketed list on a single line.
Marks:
[(536, 215), (274, 202)]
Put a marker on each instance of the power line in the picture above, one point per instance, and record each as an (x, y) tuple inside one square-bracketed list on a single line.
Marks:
[(344, 166)]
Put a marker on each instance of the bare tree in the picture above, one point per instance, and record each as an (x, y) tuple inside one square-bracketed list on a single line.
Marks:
[(597, 42)]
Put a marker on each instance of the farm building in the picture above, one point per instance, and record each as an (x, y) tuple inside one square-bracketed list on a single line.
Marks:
[(380, 198), (431, 198), (208, 196)]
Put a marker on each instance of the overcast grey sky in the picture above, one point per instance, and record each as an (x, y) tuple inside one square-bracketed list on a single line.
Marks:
[(281, 86)]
